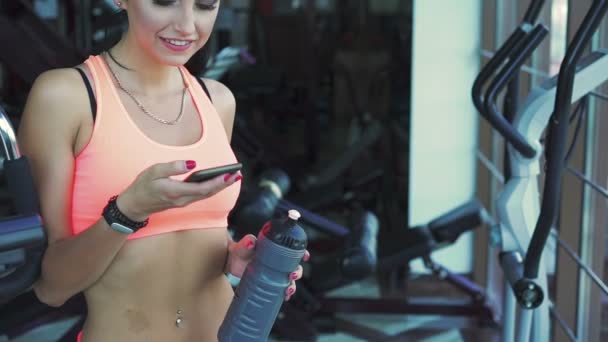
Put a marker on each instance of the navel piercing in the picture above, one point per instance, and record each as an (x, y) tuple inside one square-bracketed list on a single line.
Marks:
[(179, 320)]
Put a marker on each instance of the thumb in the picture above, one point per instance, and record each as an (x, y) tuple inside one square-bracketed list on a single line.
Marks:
[(177, 167), (245, 248)]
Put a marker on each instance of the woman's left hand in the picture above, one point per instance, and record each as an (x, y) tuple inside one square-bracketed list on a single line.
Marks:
[(242, 252)]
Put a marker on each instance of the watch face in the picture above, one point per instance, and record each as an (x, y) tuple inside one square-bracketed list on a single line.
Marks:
[(123, 229)]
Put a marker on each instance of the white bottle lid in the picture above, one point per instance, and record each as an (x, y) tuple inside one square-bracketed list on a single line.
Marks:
[(293, 214)]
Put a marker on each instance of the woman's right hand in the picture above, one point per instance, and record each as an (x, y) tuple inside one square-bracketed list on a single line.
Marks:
[(153, 190)]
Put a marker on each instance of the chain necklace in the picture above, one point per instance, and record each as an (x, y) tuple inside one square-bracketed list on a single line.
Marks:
[(143, 109)]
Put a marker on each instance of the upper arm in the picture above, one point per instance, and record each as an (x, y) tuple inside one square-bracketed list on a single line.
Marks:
[(224, 103), (47, 131)]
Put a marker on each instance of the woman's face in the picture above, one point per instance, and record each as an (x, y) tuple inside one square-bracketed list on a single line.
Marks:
[(171, 31)]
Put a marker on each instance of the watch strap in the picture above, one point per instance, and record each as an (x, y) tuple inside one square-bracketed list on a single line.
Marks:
[(119, 221)]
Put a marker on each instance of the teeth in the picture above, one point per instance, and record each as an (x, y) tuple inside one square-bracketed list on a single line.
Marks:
[(178, 42)]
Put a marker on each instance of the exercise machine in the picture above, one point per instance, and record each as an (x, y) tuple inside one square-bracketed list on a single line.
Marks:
[(524, 222)]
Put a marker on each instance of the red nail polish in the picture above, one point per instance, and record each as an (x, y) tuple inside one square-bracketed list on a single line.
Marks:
[(238, 178), (227, 177), (294, 275), (291, 291), (190, 164)]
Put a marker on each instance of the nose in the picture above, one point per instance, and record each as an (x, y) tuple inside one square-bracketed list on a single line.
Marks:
[(184, 22)]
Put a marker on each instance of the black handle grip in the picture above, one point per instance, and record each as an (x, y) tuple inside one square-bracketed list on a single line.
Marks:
[(491, 113), (449, 226), (355, 259), (513, 43), (359, 257), (533, 11)]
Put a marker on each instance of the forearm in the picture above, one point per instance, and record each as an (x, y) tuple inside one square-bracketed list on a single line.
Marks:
[(71, 265)]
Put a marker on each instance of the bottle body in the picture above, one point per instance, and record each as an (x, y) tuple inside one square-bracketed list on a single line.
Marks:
[(260, 293)]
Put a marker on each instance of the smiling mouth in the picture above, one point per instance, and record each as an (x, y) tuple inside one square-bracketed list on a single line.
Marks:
[(177, 42)]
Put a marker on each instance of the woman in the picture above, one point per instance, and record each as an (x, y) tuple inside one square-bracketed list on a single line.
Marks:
[(109, 156)]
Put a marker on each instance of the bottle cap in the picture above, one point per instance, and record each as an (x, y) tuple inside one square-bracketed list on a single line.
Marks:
[(286, 231), (293, 214)]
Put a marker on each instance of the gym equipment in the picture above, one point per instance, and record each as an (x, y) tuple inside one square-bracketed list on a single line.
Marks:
[(22, 237), (353, 261), (34, 47), (264, 200), (312, 311), (257, 203), (524, 222), (279, 249), (356, 258)]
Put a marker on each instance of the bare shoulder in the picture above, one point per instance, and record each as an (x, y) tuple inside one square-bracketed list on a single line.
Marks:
[(224, 102), (221, 96), (58, 98), (56, 84), (48, 128)]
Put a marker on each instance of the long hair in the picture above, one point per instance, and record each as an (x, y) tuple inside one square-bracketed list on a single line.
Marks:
[(117, 25)]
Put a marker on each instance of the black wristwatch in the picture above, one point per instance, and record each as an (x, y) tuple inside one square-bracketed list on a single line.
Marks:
[(119, 221)]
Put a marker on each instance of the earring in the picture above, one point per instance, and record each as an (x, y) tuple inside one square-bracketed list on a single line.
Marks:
[(118, 3)]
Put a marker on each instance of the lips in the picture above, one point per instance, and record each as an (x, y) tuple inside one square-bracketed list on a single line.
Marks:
[(178, 45)]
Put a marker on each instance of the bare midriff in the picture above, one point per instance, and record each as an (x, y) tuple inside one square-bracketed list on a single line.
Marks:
[(167, 287)]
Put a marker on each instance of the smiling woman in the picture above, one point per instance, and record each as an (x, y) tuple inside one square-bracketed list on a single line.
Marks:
[(109, 156), (197, 61), (168, 30)]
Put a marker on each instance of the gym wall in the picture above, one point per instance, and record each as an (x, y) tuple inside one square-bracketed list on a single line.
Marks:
[(444, 122)]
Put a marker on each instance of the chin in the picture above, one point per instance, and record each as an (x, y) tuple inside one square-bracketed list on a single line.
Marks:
[(173, 60)]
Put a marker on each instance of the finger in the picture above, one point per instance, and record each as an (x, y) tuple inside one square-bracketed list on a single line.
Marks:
[(233, 177), (297, 274), (244, 249), (204, 189), (306, 255), (177, 167), (291, 289), (218, 183)]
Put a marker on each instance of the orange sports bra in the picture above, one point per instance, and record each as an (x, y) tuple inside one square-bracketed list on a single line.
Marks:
[(118, 151)]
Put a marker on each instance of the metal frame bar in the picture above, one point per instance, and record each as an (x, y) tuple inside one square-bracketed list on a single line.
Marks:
[(594, 277), (485, 263), (598, 188), (593, 248), (561, 324), (566, 304)]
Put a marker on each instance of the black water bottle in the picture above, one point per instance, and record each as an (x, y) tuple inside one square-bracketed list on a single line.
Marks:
[(280, 247)]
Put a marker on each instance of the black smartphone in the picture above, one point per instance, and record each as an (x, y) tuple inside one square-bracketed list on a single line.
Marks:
[(207, 174)]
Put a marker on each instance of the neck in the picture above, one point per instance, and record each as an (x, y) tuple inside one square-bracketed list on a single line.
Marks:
[(144, 74)]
